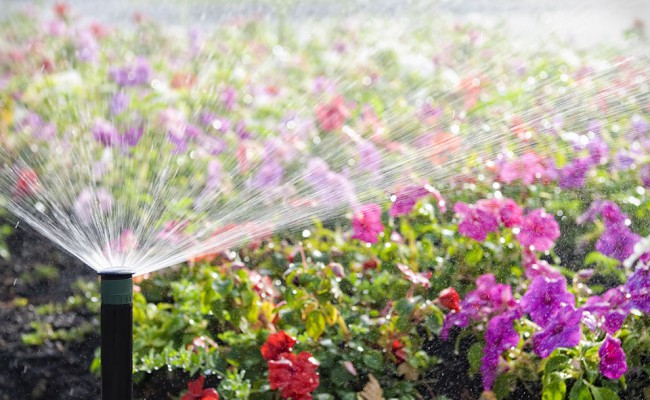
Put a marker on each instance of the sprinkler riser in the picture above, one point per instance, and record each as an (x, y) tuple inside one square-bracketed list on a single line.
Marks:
[(117, 336)]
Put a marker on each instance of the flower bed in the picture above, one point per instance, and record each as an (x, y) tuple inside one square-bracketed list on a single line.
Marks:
[(521, 273)]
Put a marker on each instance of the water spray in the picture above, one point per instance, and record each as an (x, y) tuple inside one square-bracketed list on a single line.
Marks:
[(117, 336)]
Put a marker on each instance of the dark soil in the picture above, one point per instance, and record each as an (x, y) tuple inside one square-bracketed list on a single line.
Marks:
[(56, 369)]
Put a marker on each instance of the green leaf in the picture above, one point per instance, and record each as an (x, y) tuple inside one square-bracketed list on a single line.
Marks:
[(603, 393), (331, 314), (374, 360), (503, 385), (474, 355), (315, 324), (600, 259), (555, 363), (580, 391), (554, 390), (474, 256)]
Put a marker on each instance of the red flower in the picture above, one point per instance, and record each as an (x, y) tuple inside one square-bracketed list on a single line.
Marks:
[(61, 9), (276, 345), (371, 263), (195, 391), (449, 298), (398, 351), (295, 375), (26, 184), (332, 116)]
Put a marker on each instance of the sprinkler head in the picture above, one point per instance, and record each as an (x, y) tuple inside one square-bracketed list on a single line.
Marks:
[(117, 288)]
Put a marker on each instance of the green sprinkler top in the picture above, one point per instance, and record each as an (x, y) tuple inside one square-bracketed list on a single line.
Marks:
[(117, 289)]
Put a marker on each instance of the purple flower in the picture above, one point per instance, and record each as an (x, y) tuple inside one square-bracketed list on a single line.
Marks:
[(640, 125), (591, 213), (215, 174), (269, 174), (573, 175), (638, 288), (87, 48), (562, 331), (617, 242), (476, 222), (595, 126), (598, 150), (624, 160), (644, 175), (229, 98), (211, 144), (92, 204), (613, 363), (136, 74), (33, 124), (105, 133), (406, 197), (119, 103), (331, 188), (612, 214), (608, 311), (242, 132), (369, 157), (499, 337), (488, 299), (131, 136), (539, 230), (366, 223), (545, 298)]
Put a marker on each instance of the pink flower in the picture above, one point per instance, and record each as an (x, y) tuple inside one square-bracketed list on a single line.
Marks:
[(366, 223), (613, 363), (414, 277), (529, 168), (510, 213), (406, 197), (476, 223), (539, 230), (332, 116)]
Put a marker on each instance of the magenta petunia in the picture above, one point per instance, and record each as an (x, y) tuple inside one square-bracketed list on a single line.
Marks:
[(488, 299), (608, 311), (545, 298), (499, 337), (638, 289), (535, 267), (510, 213), (613, 363), (617, 241), (138, 73), (406, 197), (269, 175), (366, 223), (539, 230), (574, 174), (476, 222), (105, 133), (562, 331)]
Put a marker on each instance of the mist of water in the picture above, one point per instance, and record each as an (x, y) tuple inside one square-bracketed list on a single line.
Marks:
[(197, 142)]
